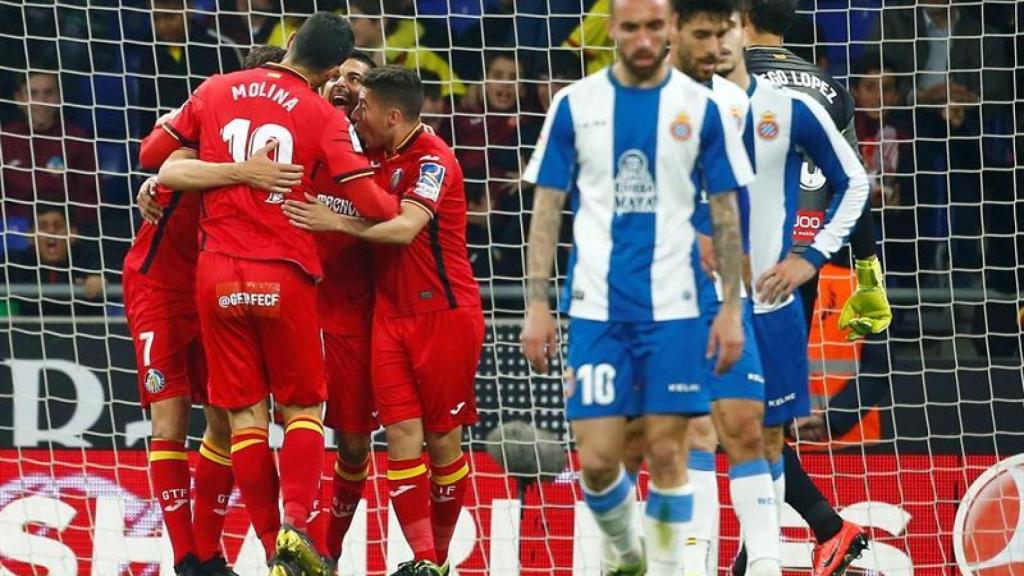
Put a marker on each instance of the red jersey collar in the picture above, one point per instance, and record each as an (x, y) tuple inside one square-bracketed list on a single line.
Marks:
[(409, 140), (289, 70)]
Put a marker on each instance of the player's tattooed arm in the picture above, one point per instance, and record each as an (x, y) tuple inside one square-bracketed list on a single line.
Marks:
[(545, 226), (725, 218), (539, 337)]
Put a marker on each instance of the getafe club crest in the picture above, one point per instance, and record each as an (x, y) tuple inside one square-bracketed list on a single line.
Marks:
[(155, 382), (768, 128), (396, 177), (680, 127)]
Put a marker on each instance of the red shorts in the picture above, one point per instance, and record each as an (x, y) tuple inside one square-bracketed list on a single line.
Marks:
[(168, 351), (349, 390), (424, 366), (260, 332)]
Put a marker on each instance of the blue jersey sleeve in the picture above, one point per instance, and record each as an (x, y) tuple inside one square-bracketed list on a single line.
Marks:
[(816, 135), (723, 162), (553, 164)]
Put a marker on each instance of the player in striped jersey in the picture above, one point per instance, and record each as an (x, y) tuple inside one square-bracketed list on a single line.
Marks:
[(780, 126), (636, 339), (739, 394)]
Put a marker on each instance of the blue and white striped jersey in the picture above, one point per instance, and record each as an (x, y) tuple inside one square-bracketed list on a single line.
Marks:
[(787, 124), (633, 161)]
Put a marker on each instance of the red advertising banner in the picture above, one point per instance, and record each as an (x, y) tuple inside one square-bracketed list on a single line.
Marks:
[(69, 512)]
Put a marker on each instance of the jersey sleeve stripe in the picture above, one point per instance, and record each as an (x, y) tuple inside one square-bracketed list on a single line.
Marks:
[(419, 205), (442, 272), (350, 176), (181, 139), (161, 228)]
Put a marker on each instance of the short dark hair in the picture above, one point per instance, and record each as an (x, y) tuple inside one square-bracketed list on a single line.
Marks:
[(864, 66), (260, 55), (21, 80), (362, 57), (323, 41), (771, 16), (397, 86), (493, 56), (687, 9), (44, 208)]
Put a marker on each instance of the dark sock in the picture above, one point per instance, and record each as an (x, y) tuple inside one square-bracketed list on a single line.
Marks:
[(807, 500)]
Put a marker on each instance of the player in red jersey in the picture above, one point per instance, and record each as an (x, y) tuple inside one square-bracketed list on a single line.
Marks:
[(159, 284), (428, 324), (345, 309), (255, 280)]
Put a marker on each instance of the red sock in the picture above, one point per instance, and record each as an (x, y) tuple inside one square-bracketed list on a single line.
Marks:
[(214, 482), (302, 461), (410, 497), (254, 469), (168, 470), (348, 491), (316, 527), (447, 492)]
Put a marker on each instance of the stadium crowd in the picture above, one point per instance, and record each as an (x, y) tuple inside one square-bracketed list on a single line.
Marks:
[(937, 132)]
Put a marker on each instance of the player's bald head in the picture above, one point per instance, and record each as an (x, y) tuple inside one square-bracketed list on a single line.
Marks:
[(632, 7), (639, 29)]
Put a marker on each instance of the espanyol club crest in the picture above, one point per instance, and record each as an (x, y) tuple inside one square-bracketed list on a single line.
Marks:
[(155, 382), (396, 177), (768, 128), (680, 127), (988, 532)]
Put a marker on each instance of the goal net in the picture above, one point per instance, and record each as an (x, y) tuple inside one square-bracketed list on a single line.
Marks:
[(916, 434)]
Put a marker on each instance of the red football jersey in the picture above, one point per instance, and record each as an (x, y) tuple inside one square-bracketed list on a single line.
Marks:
[(233, 115), (344, 298), (166, 252), (433, 272)]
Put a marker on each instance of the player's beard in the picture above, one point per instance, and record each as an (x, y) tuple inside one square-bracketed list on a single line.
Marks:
[(643, 72), (690, 66)]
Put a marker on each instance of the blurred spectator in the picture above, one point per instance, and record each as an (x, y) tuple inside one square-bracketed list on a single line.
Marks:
[(592, 36), (251, 22), (186, 53), (487, 136), (488, 144), (941, 48), (46, 157), (563, 69), (949, 65), (59, 258), (885, 132), (436, 111), (397, 40)]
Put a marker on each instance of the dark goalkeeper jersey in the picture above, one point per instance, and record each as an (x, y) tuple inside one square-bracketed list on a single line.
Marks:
[(784, 68)]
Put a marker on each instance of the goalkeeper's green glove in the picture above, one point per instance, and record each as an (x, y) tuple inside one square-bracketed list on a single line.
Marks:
[(867, 310)]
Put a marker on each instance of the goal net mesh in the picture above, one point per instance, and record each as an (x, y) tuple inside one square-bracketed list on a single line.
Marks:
[(921, 447)]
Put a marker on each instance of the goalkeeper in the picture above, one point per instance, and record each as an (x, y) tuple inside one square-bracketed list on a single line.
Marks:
[(867, 310)]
